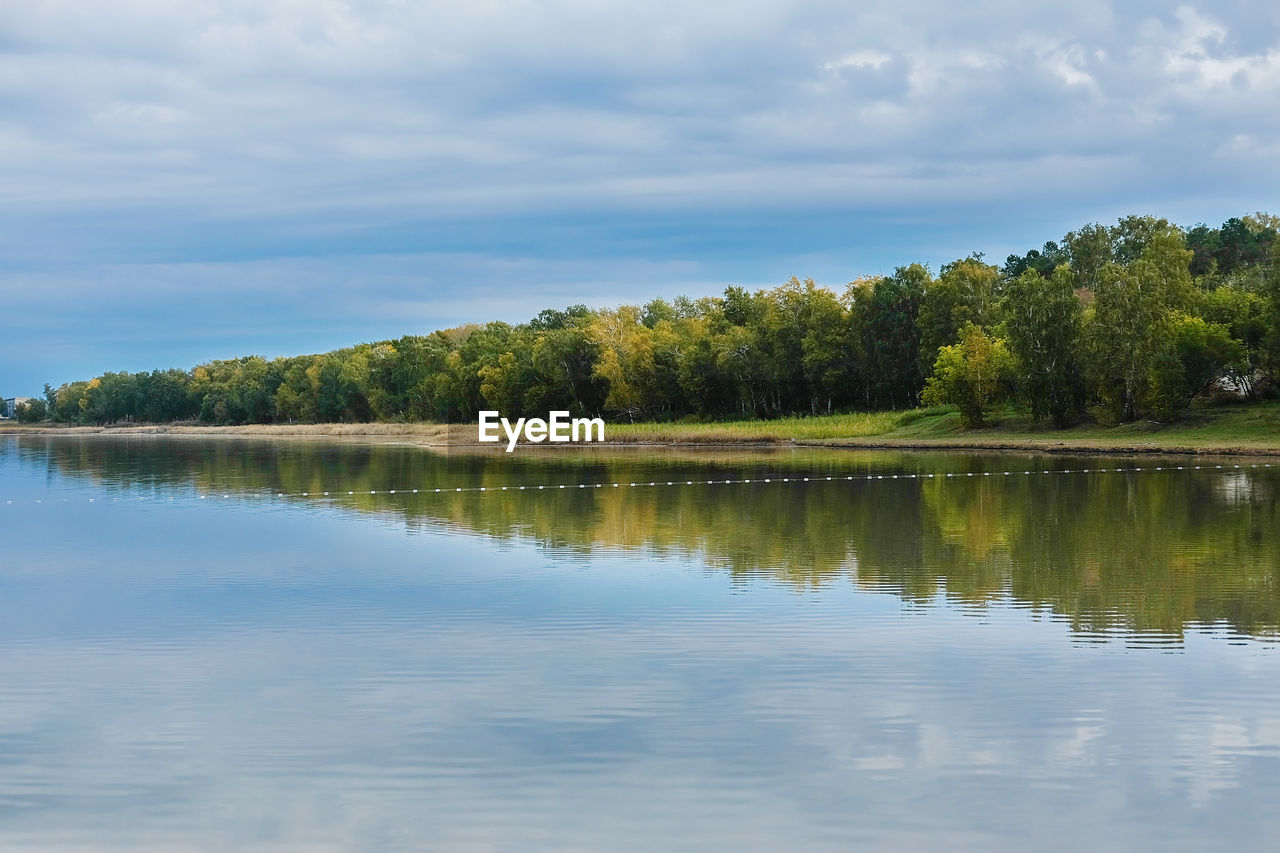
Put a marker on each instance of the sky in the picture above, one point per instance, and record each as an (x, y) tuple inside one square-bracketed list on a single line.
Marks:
[(187, 181)]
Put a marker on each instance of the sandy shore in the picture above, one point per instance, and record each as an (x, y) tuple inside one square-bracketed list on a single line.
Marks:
[(440, 435)]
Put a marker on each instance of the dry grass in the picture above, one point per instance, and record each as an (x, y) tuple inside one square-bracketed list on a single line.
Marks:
[(1251, 429), (780, 431)]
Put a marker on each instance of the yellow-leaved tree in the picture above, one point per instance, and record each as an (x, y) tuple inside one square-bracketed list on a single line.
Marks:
[(972, 375), (626, 359)]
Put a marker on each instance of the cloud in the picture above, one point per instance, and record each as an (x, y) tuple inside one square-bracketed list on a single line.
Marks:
[(860, 59)]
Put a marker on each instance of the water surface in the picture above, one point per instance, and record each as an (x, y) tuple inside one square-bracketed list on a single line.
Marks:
[(1044, 660)]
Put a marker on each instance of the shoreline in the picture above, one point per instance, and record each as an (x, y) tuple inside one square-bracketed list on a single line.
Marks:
[(437, 435)]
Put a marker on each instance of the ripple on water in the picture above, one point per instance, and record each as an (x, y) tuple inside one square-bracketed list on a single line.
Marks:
[(904, 662)]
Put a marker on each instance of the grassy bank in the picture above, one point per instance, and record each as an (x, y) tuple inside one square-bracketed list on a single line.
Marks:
[(1218, 429), (783, 430), (1223, 429)]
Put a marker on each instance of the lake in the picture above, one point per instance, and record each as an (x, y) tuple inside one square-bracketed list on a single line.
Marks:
[(880, 650)]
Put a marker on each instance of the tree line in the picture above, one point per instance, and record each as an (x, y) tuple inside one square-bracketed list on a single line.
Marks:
[(1114, 322)]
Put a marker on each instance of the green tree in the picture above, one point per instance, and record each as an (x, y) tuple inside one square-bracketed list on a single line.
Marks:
[(504, 384), (964, 293), (1042, 325), (565, 360), (1244, 314), (1126, 327), (891, 336), (1089, 249), (69, 403), (972, 375), (32, 411), (705, 384), (1194, 355), (1132, 235), (827, 355), (1042, 261), (1269, 358)]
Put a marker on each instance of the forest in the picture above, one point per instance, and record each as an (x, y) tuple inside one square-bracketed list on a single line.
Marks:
[(1111, 323)]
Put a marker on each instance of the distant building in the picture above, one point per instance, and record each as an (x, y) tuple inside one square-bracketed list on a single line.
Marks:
[(12, 403)]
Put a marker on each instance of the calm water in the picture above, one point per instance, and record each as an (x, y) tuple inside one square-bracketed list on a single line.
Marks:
[(1045, 661)]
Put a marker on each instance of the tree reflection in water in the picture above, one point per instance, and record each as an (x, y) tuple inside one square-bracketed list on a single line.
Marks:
[(1126, 553)]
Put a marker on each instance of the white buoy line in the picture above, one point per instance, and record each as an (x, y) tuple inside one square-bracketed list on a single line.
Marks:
[(339, 493)]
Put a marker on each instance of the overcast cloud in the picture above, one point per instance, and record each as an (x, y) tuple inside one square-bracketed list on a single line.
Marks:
[(183, 181)]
